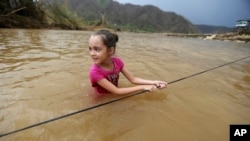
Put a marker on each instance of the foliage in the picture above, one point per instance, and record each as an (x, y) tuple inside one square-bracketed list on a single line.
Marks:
[(131, 17), (62, 16), (30, 9), (214, 29), (21, 13), (69, 14), (103, 3), (35, 14)]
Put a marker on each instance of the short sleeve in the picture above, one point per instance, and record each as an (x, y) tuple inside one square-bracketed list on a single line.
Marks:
[(95, 76), (119, 63)]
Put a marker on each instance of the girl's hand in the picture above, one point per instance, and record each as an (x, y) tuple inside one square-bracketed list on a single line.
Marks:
[(161, 84), (156, 85), (150, 88)]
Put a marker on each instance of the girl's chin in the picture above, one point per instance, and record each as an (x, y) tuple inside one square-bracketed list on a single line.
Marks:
[(96, 62)]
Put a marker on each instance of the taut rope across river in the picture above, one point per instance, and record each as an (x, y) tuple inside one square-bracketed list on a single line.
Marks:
[(115, 100)]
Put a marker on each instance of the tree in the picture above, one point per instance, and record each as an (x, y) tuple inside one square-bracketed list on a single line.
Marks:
[(14, 3), (103, 5)]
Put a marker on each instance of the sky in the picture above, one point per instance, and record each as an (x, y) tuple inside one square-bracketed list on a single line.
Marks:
[(208, 12)]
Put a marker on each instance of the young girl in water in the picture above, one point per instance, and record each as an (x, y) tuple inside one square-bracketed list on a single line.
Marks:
[(104, 73)]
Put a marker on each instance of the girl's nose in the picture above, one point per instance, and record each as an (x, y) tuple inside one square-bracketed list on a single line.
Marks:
[(91, 52)]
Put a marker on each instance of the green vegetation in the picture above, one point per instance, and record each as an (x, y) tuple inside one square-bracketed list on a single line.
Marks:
[(30, 14), (21, 13), (86, 14), (130, 17), (60, 15)]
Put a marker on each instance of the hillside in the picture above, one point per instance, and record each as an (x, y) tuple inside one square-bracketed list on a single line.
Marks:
[(88, 14), (214, 29), (130, 17)]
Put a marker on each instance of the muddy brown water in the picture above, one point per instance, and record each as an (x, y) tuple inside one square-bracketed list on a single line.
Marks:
[(44, 74)]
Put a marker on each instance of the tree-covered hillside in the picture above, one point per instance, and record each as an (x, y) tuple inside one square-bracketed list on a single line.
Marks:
[(132, 17), (214, 29), (85, 14)]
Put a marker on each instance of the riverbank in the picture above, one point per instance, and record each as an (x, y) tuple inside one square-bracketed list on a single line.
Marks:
[(222, 37), (16, 21), (230, 37)]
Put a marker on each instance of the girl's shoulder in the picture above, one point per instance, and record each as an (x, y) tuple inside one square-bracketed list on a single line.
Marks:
[(94, 68), (117, 60)]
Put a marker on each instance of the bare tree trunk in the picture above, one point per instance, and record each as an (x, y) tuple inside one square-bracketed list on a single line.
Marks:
[(14, 3), (103, 20), (12, 12)]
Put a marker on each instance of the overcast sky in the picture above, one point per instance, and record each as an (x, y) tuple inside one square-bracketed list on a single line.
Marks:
[(209, 12)]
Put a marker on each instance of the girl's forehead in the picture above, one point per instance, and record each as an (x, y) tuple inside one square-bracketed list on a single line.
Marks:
[(96, 40), (96, 37)]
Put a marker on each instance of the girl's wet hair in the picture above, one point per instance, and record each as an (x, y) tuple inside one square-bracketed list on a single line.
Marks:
[(109, 39)]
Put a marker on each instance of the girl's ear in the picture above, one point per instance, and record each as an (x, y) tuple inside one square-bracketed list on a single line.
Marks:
[(111, 51)]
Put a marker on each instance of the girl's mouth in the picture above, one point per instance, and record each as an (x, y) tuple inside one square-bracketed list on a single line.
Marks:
[(94, 59)]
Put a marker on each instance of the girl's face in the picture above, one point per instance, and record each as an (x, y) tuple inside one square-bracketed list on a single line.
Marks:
[(99, 53)]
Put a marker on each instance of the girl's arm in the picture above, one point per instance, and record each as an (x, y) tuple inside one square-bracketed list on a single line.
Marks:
[(115, 90), (136, 80)]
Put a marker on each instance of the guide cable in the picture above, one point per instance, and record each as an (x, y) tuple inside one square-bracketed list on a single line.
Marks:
[(112, 101)]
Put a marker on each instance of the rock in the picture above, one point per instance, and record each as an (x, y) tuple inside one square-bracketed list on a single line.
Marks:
[(210, 37)]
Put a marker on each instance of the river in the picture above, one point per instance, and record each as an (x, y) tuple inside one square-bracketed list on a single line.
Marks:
[(44, 75)]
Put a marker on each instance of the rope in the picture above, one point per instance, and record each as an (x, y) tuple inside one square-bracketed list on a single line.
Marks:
[(112, 101)]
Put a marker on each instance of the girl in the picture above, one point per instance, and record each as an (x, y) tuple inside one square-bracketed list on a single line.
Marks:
[(104, 73)]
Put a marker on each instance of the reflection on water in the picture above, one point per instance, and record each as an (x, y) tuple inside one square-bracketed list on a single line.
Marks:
[(44, 74)]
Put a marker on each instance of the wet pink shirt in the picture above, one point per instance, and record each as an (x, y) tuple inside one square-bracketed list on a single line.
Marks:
[(96, 74)]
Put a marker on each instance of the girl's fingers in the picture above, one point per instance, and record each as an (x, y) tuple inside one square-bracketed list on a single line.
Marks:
[(161, 85)]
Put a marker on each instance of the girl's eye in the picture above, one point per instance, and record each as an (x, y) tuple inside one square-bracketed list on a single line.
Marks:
[(97, 49)]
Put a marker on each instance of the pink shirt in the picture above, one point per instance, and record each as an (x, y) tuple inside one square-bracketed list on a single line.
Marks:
[(96, 74)]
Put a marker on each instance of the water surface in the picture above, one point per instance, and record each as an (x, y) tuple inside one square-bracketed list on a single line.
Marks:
[(44, 74)]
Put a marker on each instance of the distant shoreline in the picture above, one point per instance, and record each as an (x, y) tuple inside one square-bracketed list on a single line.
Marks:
[(230, 36), (222, 37)]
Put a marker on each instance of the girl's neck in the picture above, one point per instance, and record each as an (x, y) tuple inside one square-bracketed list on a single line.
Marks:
[(107, 65)]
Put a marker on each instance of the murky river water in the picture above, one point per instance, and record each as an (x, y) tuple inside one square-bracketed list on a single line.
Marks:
[(44, 74)]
